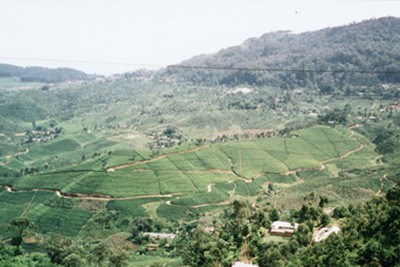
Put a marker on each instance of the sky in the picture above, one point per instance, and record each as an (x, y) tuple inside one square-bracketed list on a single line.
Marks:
[(115, 36)]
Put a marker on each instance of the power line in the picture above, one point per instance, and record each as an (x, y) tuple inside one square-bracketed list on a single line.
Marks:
[(136, 65), (80, 61), (281, 69)]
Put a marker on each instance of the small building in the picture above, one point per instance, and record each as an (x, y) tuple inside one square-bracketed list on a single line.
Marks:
[(324, 232), (152, 247), (159, 235), (395, 106), (280, 228), (209, 229)]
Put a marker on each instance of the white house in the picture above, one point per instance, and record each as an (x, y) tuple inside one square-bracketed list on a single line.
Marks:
[(159, 235), (324, 232), (280, 228)]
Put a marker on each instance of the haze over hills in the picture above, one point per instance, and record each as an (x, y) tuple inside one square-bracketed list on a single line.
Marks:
[(360, 54), (300, 60), (43, 75)]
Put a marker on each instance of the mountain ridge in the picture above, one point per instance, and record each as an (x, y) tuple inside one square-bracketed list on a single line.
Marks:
[(368, 45)]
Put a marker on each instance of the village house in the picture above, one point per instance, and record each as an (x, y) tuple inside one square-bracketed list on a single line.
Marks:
[(324, 232), (280, 228), (395, 106), (159, 235), (209, 229)]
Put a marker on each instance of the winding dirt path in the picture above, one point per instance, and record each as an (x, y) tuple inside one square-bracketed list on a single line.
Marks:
[(223, 203), (187, 171), (352, 151), (354, 127), (209, 188), (384, 177), (8, 188), (322, 163), (87, 196), (119, 167), (17, 154)]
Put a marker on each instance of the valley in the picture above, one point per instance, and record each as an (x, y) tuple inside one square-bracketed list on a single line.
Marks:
[(213, 154)]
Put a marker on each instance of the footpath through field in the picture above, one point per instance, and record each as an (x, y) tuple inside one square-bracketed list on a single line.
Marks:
[(17, 154), (119, 167)]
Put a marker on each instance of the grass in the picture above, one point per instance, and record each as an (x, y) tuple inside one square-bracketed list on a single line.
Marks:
[(214, 197), (340, 190), (123, 183), (49, 180), (66, 221), (203, 179), (277, 239), (191, 173), (48, 212), (133, 207), (149, 260), (172, 182), (172, 213)]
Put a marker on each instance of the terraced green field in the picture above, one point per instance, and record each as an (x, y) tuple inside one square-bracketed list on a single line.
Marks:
[(186, 182)]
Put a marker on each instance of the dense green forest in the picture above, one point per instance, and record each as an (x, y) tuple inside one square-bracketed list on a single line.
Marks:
[(329, 60), (192, 166)]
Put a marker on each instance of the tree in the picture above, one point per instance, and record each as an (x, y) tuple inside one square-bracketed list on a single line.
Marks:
[(22, 225), (271, 256), (58, 248), (118, 259), (73, 260), (322, 201), (274, 215), (199, 248), (325, 220), (303, 235), (340, 212)]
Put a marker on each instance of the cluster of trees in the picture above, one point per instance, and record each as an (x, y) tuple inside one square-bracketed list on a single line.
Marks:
[(369, 236), (166, 138), (240, 233), (60, 250), (369, 45), (387, 139), (335, 116)]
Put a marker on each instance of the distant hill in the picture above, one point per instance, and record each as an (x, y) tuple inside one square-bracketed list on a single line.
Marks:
[(40, 74), (370, 46)]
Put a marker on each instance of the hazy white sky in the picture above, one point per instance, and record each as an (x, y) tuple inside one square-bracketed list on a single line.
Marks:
[(110, 36)]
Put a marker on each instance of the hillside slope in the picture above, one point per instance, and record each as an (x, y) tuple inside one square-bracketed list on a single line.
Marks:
[(40, 74), (371, 46)]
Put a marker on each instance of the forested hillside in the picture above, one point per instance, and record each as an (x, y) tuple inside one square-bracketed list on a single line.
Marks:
[(332, 59), (43, 75), (369, 236)]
